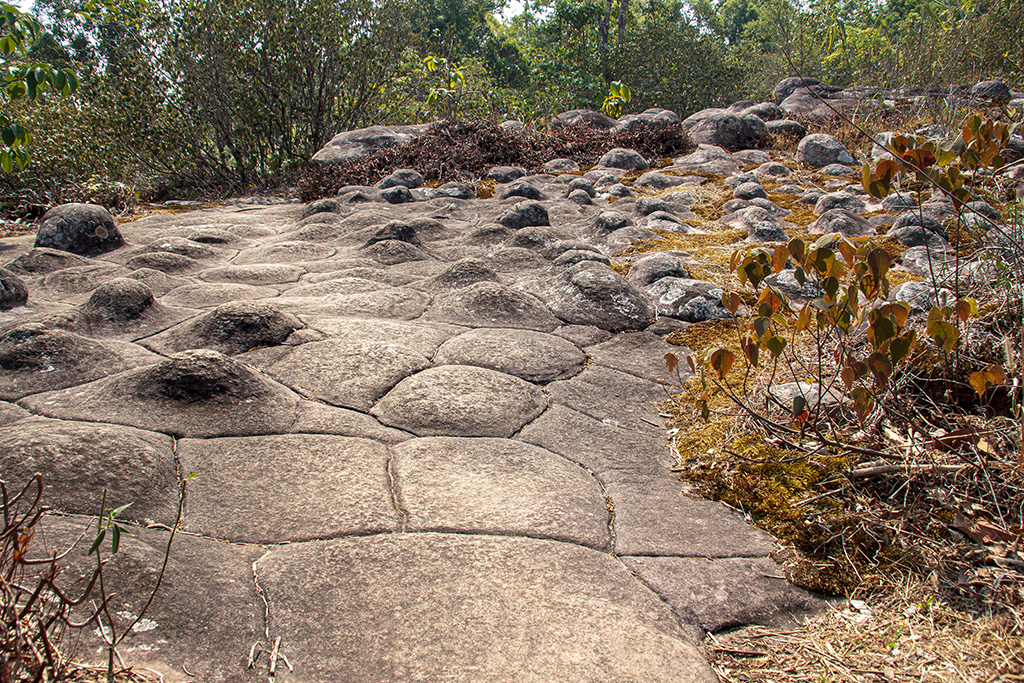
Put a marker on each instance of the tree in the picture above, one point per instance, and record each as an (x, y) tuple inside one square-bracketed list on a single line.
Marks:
[(266, 84), (23, 79)]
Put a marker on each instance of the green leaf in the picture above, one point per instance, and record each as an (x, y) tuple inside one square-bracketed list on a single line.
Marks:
[(761, 325), (97, 541), (881, 330), (899, 348), (799, 406), (863, 403), (114, 513), (115, 542), (776, 345)]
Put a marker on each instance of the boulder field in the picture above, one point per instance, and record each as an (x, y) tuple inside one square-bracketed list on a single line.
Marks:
[(424, 422)]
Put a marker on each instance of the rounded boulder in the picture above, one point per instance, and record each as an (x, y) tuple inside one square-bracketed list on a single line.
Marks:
[(84, 229)]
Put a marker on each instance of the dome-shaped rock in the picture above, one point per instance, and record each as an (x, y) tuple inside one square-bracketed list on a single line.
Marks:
[(459, 400), (231, 328), (84, 229)]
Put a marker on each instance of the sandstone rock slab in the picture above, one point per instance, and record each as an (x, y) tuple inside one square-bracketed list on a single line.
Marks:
[(615, 398), (204, 618), (349, 374), (491, 304), (498, 486), (194, 393), (36, 358), (294, 487), (422, 337), (511, 609), (529, 355), (591, 293), (79, 461), (718, 594), (231, 328), (459, 400)]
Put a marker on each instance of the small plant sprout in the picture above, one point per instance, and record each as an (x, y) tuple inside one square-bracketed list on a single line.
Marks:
[(445, 94), (109, 522), (618, 94)]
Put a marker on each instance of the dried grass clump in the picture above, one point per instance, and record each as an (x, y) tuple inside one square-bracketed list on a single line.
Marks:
[(902, 634), (461, 150)]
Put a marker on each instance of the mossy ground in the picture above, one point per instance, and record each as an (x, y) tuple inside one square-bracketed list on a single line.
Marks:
[(843, 534)]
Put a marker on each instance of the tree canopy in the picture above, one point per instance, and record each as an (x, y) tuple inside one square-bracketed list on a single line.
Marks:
[(238, 93)]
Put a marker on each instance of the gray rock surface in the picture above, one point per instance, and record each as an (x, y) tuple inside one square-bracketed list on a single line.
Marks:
[(13, 291), (513, 608), (786, 128), (460, 400), (726, 129), (356, 144), (413, 408), (590, 293), (293, 487), (627, 159), (653, 267), (38, 358), (821, 149), (529, 355), (500, 487), (205, 617), (84, 229), (691, 300), (41, 260), (231, 328), (490, 304), (80, 461), (726, 593), (582, 117), (844, 221)]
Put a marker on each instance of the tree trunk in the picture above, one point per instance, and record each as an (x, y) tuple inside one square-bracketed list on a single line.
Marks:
[(602, 35), (623, 13)]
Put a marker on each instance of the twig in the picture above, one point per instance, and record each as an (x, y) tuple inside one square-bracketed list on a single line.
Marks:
[(909, 469), (805, 501)]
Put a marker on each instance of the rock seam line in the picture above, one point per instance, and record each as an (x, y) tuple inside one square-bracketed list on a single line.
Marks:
[(392, 477)]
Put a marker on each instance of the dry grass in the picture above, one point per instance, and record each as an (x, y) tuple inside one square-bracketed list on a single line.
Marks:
[(903, 634)]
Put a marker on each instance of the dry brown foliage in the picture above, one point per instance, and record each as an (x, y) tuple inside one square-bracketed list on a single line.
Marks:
[(466, 150)]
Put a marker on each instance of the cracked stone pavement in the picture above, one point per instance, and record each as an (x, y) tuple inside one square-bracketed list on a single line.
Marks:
[(427, 445)]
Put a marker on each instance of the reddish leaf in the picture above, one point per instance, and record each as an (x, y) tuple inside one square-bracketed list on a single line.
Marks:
[(797, 249), (881, 367), (721, 361), (982, 530), (847, 375), (779, 258), (966, 308), (731, 301), (671, 361)]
